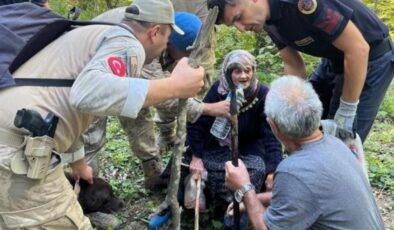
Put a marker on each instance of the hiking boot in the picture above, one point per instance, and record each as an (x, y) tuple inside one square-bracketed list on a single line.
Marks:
[(103, 221), (152, 171), (167, 135)]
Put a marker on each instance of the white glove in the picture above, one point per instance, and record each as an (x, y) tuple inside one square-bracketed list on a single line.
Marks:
[(344, 117)]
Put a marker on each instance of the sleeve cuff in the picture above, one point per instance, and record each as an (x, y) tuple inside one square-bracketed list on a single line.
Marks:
[(74, 156), (138, 89), (194, 109)]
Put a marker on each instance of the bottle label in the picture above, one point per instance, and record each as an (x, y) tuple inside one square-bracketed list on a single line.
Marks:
[(221, 128)]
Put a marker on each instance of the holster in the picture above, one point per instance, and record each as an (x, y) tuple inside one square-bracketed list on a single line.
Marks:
[(38, 152)]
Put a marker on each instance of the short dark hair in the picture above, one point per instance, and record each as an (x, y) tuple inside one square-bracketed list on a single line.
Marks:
[(220, 4), (145, 25)]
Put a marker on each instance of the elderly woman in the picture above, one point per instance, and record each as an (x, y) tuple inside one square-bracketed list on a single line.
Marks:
[(258, 147)]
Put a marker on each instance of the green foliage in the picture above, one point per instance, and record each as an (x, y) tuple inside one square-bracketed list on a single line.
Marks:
[(89, 8), (387, 107), (380, 155), (384, 9), (217, 224), (381, 171), (269, 63), (122, 167), (228, 39), (310, 63)]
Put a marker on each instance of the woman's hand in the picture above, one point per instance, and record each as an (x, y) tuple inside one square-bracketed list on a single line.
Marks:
[(196, 167), (230, 208)]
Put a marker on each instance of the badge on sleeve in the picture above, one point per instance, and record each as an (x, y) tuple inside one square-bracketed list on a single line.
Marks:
[(117, 66), (307, 6)]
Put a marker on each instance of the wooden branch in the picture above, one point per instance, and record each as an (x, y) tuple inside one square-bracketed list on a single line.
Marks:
[(197, 206), (201, 43)]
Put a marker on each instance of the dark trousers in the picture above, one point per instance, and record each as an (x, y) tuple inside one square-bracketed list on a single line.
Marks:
[(328, 84)]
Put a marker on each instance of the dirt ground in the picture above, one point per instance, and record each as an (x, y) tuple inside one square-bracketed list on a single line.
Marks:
[(137, 214), (386, 205)]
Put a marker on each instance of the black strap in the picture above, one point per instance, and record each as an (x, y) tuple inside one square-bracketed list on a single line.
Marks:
[(86, 23), (57, 82), (44, 82)]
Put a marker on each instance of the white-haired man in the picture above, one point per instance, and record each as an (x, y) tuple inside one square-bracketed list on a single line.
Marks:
[(320, 185)]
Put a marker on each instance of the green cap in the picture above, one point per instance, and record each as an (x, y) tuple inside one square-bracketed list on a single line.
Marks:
[(157, 11)]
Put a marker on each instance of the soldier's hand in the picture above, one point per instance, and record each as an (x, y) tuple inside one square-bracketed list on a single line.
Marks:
[(185, 80), (81, 170), (218, 109), (236, 177)]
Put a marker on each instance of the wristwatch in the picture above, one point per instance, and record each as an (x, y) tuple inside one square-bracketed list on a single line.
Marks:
[(239, 193)]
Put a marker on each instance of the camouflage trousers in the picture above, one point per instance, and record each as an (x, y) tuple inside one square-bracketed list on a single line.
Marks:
[(31, 204), (140, 133), (94, 139)]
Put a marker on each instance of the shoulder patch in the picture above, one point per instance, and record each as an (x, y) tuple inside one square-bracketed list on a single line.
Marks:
[(117, 66), (134, 66), (307, 6)]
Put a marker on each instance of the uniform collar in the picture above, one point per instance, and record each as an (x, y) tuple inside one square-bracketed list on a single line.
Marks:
[(275, 13)]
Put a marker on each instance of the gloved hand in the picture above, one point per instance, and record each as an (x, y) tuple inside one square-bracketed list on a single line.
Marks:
[(344, 117)]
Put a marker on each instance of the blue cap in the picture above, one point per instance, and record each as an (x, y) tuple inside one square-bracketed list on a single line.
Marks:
[(191, 25)]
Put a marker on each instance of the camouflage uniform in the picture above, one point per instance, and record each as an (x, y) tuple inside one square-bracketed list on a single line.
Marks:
[(95, 140), (166, 119), (50, 203), (140, 131), (200, 8), (167, 111)]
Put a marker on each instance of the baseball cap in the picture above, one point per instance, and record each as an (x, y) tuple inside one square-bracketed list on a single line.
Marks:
[(157, 11), (191, 25)]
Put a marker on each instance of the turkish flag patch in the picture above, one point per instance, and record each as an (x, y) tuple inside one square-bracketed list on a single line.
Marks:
[(117, 66)]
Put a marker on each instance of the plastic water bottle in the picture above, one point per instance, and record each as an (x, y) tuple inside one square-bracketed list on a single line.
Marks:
[(222, 125)]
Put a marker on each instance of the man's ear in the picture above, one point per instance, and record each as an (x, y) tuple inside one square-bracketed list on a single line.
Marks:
[(153, 33), (273, 126)]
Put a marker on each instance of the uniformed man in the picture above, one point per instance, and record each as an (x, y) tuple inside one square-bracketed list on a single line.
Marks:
[(166, 122), (34, 192), (358, 55), (140, 131)]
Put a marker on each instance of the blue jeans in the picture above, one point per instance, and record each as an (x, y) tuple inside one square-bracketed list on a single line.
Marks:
[(328, 84)]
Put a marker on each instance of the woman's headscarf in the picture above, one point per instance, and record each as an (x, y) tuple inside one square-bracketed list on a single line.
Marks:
[(241, 57)]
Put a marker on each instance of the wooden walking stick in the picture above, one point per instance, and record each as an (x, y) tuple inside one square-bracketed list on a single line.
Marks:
[(234, 130), (200, 46), (197, 206)]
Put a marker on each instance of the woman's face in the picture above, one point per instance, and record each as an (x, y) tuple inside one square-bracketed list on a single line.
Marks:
[(243, 76)]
